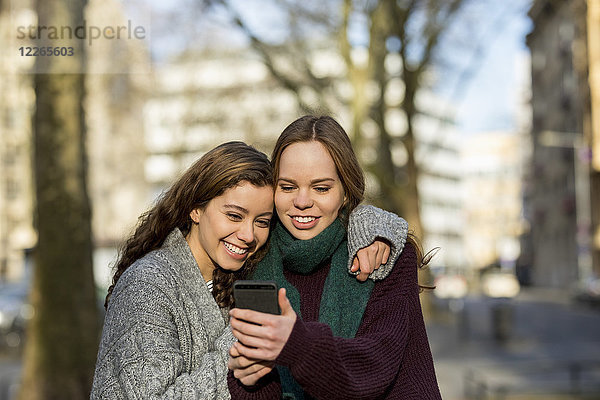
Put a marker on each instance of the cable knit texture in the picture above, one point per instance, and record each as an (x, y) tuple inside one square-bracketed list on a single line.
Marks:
[(368, 223), (389, 358), (164, 336)]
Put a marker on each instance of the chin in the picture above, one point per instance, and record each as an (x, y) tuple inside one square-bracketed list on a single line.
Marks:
[(304, 235), (232, 267)]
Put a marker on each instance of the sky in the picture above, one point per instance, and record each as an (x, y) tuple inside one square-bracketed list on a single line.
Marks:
[(498, 87)]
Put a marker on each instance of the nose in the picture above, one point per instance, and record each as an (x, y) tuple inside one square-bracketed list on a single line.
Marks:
[(303, 200), (246, 232)]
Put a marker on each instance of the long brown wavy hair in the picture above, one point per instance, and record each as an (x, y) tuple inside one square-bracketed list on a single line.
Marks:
[(328, 132), (223, 167)]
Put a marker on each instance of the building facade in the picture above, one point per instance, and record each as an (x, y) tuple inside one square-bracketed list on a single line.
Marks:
[(493, 191), (201, 100), (16, 186), (559, 203)]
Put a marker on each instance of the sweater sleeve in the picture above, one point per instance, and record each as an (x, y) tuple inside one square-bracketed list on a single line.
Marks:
[(368, 223), (142, 357), (371, 365), (267, 388)]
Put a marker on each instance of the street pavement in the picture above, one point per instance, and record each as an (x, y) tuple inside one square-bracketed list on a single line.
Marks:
[(535, 346)]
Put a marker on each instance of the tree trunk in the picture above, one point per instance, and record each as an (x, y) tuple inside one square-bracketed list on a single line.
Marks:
[(62, 337)]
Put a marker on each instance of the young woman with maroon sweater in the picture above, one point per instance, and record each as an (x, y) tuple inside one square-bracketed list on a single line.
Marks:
[(336, 338)]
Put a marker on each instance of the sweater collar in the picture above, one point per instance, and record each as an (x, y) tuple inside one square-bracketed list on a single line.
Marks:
[(305, 256), (179, 249)]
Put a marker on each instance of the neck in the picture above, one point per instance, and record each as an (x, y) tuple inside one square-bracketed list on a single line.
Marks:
[(204, 262)]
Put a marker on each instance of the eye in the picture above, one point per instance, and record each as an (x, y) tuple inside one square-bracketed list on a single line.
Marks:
[(263, 223), (286, 187), (234, 216), (322, 189)]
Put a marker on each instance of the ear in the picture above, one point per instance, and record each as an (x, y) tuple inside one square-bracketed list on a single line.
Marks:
[(195, 215)]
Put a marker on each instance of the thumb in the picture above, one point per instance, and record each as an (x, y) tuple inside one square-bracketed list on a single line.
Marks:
[(354, 267), (284, 303)]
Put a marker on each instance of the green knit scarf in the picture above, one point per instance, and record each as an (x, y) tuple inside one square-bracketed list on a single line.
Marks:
[(344, 298)]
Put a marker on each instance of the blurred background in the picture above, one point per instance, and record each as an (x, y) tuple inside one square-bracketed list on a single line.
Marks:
[(477, 121)]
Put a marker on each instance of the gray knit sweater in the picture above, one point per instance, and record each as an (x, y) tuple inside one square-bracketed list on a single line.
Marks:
[(164, 336)]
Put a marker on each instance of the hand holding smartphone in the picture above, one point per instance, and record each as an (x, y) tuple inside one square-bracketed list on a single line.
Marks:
[(256, 295)]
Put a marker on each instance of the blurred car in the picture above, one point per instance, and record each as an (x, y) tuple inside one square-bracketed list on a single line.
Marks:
[(15, 311)]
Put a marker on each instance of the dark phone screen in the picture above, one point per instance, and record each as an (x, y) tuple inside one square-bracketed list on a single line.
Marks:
[(256, 295)]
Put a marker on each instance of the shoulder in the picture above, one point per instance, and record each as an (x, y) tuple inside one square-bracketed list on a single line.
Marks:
[(364, 217), (146, 276), (404, 274), (367, 224), (408, 256), (150, 268)]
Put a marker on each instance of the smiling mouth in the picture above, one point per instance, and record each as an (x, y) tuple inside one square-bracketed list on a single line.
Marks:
[(235, 249), (304, 220)]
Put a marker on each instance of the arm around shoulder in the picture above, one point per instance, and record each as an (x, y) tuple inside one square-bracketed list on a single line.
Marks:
[(368, 223)]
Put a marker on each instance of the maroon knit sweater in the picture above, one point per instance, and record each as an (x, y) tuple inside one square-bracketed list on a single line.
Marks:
[(389, 358)]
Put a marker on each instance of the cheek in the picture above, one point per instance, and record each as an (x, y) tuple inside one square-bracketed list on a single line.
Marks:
[(281, 203), (336, 203), (219, 228), (262, 237)]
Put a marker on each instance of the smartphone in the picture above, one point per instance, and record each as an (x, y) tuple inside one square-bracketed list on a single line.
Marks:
[(256, 295)]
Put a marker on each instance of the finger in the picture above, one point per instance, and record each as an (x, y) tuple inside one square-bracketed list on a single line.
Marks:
[(255, 377), (248, 341), (251, 369), (251, 353), (240, 362), (365, 269), (372, 253), (242, 373), (362, 276), (367, 263), (284, 303), (379, 255), (263, 353), (233, 351), (245, 327), (255, 317), (354, 266), (386, 253)]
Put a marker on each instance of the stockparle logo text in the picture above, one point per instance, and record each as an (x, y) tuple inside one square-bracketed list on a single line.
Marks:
[(83, 31)]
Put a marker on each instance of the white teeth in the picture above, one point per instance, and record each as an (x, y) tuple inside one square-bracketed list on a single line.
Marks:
[(304, 219), (235, 249)]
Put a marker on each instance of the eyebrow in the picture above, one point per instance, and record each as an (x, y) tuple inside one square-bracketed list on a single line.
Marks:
[(243, 210), (314, 181)]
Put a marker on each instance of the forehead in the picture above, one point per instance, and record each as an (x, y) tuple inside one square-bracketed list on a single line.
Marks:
[(246, 195), (307, 159)]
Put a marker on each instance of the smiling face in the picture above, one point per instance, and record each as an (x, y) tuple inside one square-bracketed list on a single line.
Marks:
[(309, 193), (231, 227)]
